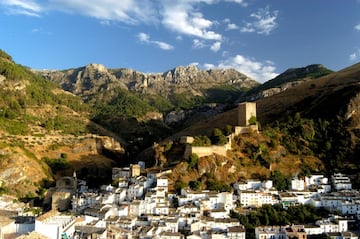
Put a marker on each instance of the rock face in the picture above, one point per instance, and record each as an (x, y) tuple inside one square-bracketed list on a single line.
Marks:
[(84, 81), (289, 79), (22, 173), (93, 78), (274, 90)]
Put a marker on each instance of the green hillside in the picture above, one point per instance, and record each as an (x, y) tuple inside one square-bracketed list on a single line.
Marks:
[(22, 91)]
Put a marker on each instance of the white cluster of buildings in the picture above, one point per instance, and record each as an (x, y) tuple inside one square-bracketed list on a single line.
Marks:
[(335, 194), (142, 207), (333, 227)]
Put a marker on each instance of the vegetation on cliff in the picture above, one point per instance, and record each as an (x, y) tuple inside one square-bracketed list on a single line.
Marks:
[(39, 124), (22, 92), (296, 146)]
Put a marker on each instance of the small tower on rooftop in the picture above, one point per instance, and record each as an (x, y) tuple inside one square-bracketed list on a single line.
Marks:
[(246, 113)]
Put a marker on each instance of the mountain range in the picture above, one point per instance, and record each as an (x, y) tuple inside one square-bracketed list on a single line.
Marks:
[(91, 118)]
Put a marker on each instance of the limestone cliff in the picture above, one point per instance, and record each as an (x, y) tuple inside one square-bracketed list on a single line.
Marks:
[(85, 81)]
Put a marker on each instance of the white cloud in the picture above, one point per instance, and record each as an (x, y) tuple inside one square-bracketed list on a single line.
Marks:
[(215, 46), (355, 56), (163, 45), (194, 64), (40, 31), (357, 27), (198, 44), (264, 22), (241, 2), (230, 25), (259, 71), (128, 11), (208, 66), (181, 16), (145, 38), (22, 7)]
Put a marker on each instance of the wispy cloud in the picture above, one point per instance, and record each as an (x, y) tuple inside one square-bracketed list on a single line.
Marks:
[(355, 56), (127, 11), (198, 44), (230, 25), (241, 2), (215, 47), (145, 38), (264, 21), (184, 17), (22, 7), (259, 71), (357, 27), (40, 31)]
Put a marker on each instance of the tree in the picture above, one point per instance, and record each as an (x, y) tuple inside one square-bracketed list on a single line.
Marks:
[(192, 161), (252, 120), (180, 185), (280, 181), (218, 137), (228, 130), (195, 185), (201, 140)]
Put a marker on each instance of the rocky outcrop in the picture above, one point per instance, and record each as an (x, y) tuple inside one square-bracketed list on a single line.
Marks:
[(274, 90), (93, 78), (289, 79), (84, 81), (19, 173)]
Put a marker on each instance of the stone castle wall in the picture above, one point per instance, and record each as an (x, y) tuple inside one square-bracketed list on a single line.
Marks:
[(202, 151), (246, 110)]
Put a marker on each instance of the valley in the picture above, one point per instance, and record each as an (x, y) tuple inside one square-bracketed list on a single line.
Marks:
[(87, 121)]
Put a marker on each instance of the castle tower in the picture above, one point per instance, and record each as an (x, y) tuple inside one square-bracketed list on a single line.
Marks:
[(246, 111), (134, 170)]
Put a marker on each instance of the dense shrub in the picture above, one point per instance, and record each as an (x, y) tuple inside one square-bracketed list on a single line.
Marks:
[(215, 185), (192, 161), (56, 164), (195, 185), (280, 181), (201, 140), (218, 138)]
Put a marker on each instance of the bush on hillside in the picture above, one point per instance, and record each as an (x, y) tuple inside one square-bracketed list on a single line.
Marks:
[(56, 164), (192, 161), (218, 138), (201, 140)]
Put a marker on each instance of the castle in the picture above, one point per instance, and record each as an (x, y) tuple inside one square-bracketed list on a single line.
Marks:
[(246, 114)]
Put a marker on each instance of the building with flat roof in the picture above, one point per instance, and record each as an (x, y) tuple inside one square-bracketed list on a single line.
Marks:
[(55, 225)]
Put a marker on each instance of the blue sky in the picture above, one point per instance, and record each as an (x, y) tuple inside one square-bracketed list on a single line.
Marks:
[(260, 38)]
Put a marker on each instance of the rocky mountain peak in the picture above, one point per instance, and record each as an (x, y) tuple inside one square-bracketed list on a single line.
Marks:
[(96, 67), (181, 70), (96, 77)]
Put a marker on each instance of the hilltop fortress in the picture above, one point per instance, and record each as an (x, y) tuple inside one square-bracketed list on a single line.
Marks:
[(246, 123)]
